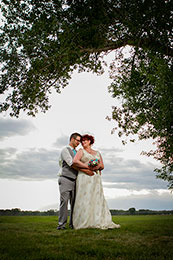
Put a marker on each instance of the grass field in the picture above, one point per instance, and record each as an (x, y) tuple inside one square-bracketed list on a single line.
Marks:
[(140, 237)]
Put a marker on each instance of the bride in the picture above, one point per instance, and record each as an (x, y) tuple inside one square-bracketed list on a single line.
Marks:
[(90, 209)]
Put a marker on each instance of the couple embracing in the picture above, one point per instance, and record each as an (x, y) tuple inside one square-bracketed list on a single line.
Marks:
[(80, 182)]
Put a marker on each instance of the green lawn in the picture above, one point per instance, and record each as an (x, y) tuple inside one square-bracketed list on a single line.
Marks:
[(140, 237)]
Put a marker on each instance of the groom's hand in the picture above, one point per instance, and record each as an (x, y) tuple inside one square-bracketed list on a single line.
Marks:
[(88, 172), (95, 168)]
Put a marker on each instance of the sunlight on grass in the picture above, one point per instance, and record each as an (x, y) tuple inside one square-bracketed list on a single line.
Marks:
[(140, 237)]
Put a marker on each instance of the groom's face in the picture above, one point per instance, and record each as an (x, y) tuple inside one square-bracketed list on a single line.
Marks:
[(76, 141)]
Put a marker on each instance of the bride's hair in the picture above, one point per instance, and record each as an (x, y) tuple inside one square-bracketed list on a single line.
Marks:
[(88, 137)]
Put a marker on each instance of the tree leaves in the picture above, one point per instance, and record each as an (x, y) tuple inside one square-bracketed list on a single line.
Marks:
[(42, 42)]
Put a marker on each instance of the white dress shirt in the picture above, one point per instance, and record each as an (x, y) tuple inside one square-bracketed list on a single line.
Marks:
[(65, 156)]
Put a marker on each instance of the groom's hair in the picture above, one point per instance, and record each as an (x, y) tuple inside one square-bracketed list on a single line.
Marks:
[(74, 135)]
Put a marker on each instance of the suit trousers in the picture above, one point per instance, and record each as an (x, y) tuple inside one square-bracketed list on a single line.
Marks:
[(67, 193)]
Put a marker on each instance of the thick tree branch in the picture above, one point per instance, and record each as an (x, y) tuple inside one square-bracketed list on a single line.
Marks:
[(143, 43)]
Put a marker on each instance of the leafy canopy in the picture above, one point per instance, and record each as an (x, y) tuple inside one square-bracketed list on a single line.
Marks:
[(42, 42)]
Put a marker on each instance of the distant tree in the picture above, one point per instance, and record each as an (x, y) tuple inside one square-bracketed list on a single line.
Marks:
[(42, 42), (51, 212), (132, 211), (15, 211)]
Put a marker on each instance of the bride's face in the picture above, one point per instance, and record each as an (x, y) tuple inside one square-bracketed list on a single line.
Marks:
[(85, 143)]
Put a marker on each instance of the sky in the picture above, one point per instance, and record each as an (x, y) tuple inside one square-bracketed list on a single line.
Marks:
[(30, 149)]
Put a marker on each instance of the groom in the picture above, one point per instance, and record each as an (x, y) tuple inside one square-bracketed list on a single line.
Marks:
[(67, 180)]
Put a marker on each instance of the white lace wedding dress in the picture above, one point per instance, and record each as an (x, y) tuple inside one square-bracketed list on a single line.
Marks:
[(91, 209)]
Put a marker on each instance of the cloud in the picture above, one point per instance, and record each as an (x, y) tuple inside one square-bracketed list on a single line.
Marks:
[(13, 127), (6, 155), (61, 141), (110, 150), (129, 173), (31, 164), (144, 199), (43, 164)]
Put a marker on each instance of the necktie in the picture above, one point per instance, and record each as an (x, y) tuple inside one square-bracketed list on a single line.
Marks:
[(74, 151)]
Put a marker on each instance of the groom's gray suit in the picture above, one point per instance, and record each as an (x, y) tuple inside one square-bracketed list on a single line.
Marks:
[(67, 185)]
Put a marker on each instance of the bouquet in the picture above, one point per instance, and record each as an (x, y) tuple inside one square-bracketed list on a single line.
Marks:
[(93, 162)]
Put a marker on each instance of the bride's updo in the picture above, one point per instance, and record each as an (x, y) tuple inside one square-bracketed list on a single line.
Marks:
[(88, 137)]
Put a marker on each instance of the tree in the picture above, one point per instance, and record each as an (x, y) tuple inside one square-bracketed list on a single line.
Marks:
[(42, 42), (132, 211)]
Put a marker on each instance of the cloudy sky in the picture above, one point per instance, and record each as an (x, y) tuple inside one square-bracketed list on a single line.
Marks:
[(30, 149)]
